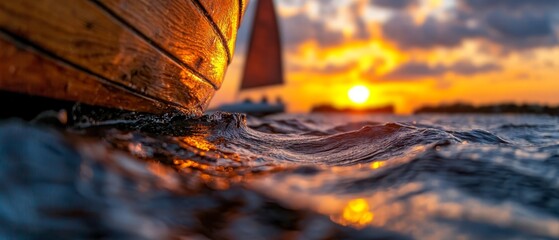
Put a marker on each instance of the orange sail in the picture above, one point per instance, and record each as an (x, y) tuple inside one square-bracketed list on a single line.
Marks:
[(263, 65)]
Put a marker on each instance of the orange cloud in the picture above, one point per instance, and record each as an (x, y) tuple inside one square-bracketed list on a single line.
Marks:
[(324, 57)]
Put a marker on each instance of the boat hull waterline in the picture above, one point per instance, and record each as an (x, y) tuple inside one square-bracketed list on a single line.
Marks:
[(149, 56)]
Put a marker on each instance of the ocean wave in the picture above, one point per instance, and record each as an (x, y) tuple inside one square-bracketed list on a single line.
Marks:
[(228, 176)]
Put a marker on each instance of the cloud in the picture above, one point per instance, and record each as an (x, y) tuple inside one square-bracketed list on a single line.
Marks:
[(394, 4), (520, 31), (361, 31), (467, 68), (508, 4), (331, 69), (402, 29), (523, 26), (301, 28), (512, 24), (415, 70)]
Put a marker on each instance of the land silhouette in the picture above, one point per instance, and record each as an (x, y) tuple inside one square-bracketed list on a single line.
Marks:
[(502, 108)]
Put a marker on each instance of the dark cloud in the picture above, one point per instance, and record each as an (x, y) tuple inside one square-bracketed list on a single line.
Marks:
[(520, 31), (520, 26), (513, 24), (467, 68), (299, 28), (394, 4), (508, 4), (413, 70), (402, 29)]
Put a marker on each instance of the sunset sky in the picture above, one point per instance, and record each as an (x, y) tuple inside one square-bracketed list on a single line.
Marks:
[(411, 53)]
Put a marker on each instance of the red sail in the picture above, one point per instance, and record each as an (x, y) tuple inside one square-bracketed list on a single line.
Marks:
[(263, 66)]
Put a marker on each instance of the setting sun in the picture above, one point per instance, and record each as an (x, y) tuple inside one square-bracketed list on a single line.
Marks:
[(358, 94)]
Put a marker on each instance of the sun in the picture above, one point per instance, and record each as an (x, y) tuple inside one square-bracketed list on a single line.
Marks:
[(358, 94)]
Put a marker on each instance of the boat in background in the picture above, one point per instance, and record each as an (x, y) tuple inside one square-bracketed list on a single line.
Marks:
[(136, 55), (261, 108), (263, 65)]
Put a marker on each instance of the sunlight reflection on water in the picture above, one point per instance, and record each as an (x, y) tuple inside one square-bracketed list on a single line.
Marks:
[(423, 177)]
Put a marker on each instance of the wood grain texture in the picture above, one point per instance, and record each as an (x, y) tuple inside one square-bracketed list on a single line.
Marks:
[(181, 29), (26, 71), (242, 10), (79, 32), (225, 14)]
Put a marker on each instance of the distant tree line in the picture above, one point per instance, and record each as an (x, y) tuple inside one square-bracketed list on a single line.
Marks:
[(491, 109), (389, 109)]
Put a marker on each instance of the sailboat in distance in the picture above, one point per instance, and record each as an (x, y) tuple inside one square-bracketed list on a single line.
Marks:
[(263, 64)]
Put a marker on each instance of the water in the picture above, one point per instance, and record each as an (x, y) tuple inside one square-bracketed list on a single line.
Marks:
[(225, 176)]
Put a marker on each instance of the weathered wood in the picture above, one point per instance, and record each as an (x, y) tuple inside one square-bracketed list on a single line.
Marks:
[(226, 20), (25, 71), (81, 33), (243, 6), (180, 28)]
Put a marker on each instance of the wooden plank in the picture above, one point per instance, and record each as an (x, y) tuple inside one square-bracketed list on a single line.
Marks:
[(225, 14), (243, 7), (26, 71), (79, 32), (180, 28)]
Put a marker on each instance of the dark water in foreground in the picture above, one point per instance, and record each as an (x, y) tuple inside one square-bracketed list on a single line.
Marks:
[(284, 177)]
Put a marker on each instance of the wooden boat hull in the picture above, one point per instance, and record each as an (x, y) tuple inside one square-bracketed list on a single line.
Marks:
[(138, 55)]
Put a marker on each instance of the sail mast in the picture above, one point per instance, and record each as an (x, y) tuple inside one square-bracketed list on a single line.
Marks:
[(263, 65)]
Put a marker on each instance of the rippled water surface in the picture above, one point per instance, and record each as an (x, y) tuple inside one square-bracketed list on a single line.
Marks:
[(226, 176)]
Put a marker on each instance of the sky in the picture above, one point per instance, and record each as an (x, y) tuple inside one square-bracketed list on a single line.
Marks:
[(411, 53)]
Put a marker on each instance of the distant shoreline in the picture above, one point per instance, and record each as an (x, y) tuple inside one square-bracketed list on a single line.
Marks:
[(374, 110), (504, 108), (456, 108)]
